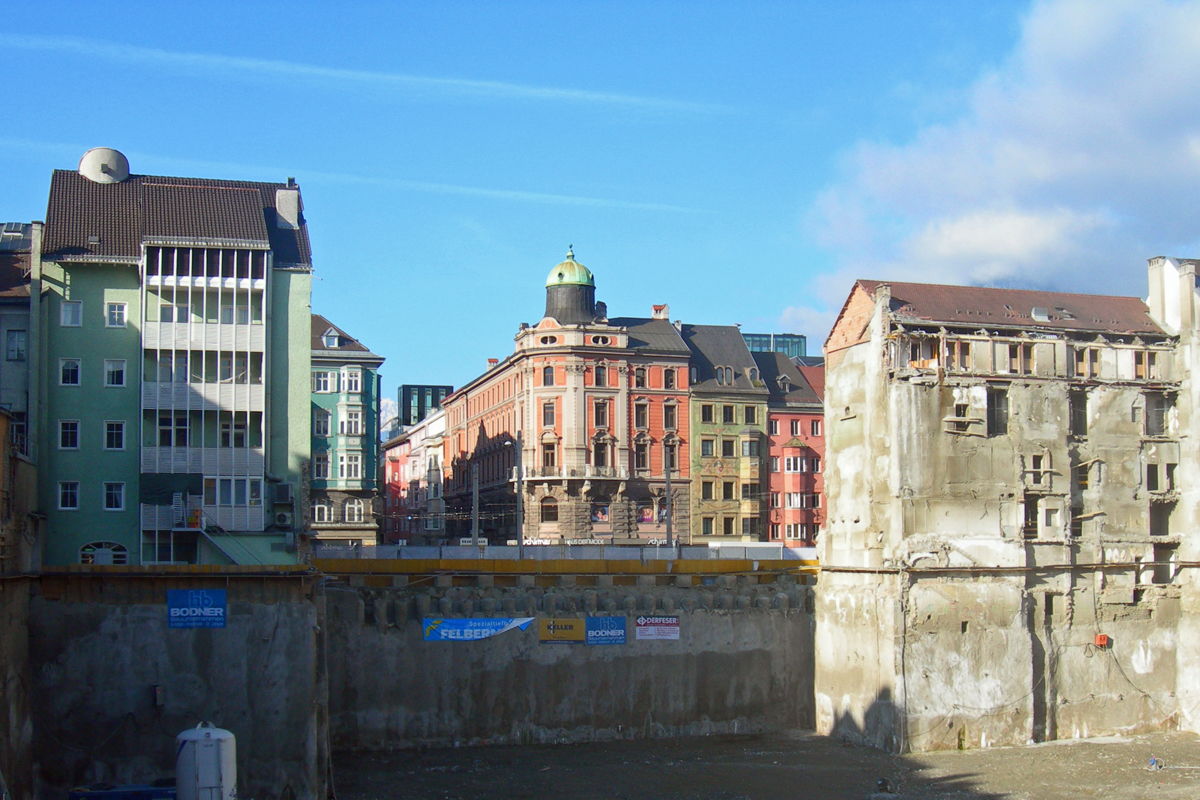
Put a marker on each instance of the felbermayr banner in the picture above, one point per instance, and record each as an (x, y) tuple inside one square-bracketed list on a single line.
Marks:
[(195, 608), (606, 630), (569, 631), (468, 630)]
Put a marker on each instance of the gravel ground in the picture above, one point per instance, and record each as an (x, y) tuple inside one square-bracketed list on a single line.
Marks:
[(783, 766)]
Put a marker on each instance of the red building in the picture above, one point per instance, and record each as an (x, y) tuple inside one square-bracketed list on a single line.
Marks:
[(795, 449)]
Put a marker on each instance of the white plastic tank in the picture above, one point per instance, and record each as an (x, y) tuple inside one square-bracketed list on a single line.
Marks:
[(205, 764)]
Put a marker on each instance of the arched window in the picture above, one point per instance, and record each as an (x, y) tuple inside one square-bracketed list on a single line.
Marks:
[(753, 374), (729, 376), (721, 376), (549, 339), (601, 376), (102, 553), (353, 510), (322, 511), (549, 510), (547, 376)]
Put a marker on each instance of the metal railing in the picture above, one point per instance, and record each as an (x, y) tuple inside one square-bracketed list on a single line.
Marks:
[(752, 551)]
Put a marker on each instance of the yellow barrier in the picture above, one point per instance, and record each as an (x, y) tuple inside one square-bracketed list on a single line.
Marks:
[(486, 566)]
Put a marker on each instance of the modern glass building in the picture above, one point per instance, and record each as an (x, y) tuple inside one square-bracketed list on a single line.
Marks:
[(792, 345)]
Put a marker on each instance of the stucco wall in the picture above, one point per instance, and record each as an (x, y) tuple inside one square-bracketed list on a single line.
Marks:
[(743, 664)]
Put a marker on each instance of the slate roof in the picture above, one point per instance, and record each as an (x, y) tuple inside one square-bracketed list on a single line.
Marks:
[(651, 334), (97, 221), (773, 366), (720, 346), (349, 344), (990, 307)]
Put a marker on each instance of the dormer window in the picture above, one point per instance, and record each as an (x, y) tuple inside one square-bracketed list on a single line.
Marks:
[(331, 340), (549, 339)]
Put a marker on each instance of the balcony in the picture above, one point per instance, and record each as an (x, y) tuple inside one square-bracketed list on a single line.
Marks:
[(204, 396), (204, 336), (585, 472), (230, 518), (206, 460)]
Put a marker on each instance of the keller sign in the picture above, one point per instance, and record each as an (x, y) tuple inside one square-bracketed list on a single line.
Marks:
[(196, 608)]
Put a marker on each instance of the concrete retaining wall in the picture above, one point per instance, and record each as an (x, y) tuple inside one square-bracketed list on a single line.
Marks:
[(16, 728), (99, 643), (744, 663)]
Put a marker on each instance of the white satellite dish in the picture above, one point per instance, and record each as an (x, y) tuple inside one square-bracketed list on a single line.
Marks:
[(104, 165)]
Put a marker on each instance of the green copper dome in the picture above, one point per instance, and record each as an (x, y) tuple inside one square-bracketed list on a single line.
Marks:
[(570, 273)]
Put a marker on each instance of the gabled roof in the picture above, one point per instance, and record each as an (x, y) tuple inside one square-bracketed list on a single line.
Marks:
[(774, 366), (815, 375), (651, 334), (321, 326), (96, 221), (991, 307), (715, 346)]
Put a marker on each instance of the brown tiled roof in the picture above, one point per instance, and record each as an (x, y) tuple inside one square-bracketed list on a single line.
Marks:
[(771, 367), (349, 344), (14, 274), (88, 220), (989, 307), (816, 379)]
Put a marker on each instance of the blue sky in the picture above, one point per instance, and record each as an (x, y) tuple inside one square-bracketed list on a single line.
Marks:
[(742, 162)]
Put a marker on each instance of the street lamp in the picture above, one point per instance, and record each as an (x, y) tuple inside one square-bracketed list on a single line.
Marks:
[(516, 445)]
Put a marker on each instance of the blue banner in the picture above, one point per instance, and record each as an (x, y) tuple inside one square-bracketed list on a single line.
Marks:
[(606, 630), (467, 630), (195, 608)]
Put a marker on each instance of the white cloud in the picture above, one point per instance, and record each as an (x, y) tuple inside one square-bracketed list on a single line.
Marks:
[(1078, 158)]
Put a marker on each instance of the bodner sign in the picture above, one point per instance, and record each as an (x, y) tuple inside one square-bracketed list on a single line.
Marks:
[(195, 608)]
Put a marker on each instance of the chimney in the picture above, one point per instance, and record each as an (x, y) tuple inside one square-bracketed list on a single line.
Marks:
[(287, 206), (493, 363), (660, 312)]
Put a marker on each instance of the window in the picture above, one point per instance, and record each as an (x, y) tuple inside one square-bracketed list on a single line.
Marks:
[(751, 414), (706, 490), (233, 431), (669, 378), (706, 413), (601, 376), (1152, 365), (669, 416), (15, 346), (814, 500), (321, 420), (774, 464), (750, 448), (1077, 407), (639, 378), (114, 315), (322, 511), (815, 461), (774, 499), (70, 314), (172, 430), (773, 427), (549, 453), (727, 448), (68, 371), (727, 525), (239, 314), (321, 383), (350, 466), (1157, 408), (1036, 469), (1020, 359), (600, 455), (961, 425), (816, 427), (958, 355), (68, 434), (641, 416), (706, 448), (114, 372), (669, 457), (640, 456), (549, 510), (1082, 477), (727, 415), (706, 526), (793, 500), (547, 376), (114, 497), (68, 495), (331, 340), (351, 422), (548, 415), (750, 526), (997, 411), (353, 382), (1169, 476), (104, 554), (114, 435), (172, 313), (1087, 362), (353, 511), (321, 466), (728, 490), (600, 412)]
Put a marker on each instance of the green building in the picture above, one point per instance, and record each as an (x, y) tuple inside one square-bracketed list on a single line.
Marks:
[(173, 372), (345, 437), (728, 407)]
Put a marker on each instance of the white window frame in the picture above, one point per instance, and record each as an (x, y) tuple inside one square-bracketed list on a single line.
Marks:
[(352, 381), (350, 415), (120, 495), (62, 422), (322, 511), (321, 382), (320, 466), (63, 316), (108, 422), (62, 362), (18, 354), (815, 427), (109, 364), (120, 308), (352, 510), (322, 423), (345, 462), (793, 500), (62, 485)]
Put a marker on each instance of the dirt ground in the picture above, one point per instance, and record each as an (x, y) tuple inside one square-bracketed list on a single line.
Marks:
[(783, 766)]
